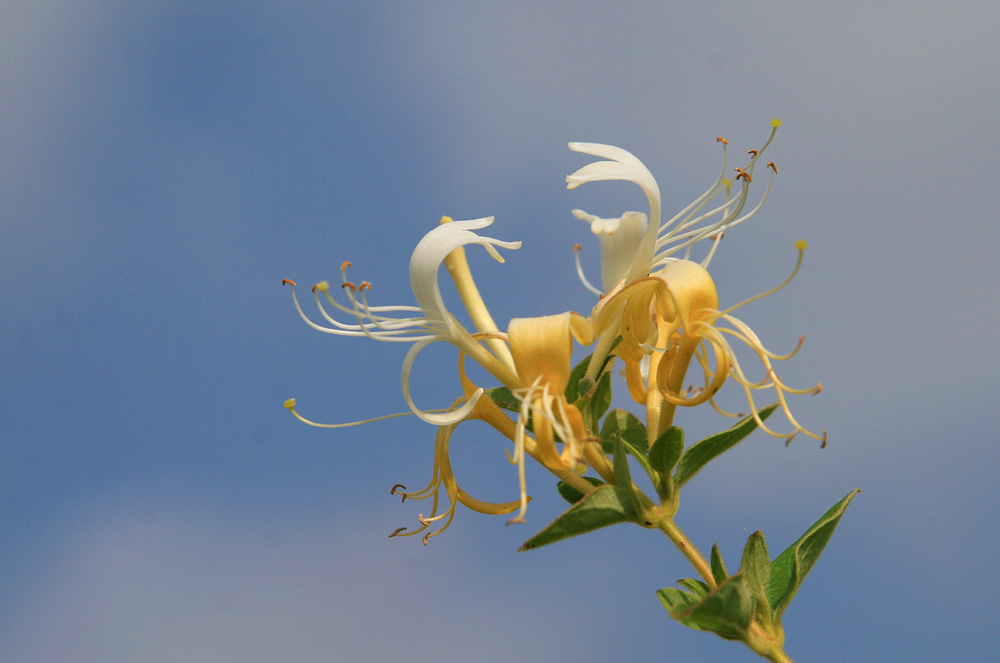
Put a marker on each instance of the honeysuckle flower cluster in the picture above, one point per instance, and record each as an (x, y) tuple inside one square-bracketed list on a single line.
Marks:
[(658, 312)]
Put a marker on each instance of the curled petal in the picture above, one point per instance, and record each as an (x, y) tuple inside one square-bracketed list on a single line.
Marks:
[(438, 419), (431, 251)]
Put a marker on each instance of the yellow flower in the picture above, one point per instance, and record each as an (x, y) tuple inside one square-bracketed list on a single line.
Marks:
[(665, 309)]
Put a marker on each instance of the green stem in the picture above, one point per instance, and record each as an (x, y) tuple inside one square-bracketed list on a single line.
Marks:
[(779, 656), (684, 544)]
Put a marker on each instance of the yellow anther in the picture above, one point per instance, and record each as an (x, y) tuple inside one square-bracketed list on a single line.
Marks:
[(344, 265), (801, 245), (288, 282), (722, 140), (446, 219), (322, 286), (290, 403), (770, 164), (775, 123)]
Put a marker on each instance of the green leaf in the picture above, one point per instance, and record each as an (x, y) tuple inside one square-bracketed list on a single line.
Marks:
[(600, 399), (718, 567), (605, 506), (676, 600), (573, 387), (502, 397), (666, 450), (632, 430), (571, 494), (726, 611), (623, 476), (702, 452), (790, 568), (756, 566), (698, 587)]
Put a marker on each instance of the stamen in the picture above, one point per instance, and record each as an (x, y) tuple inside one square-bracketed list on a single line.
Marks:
[(579, 272), (344, 265), (288, 282), (290, 406), (770, 164), (365, 285), (801, 246), (752, 153), (397, 531), (348, 284), (722, 140)]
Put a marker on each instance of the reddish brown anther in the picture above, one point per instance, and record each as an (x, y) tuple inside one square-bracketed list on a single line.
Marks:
[(288, 282), (823, 443), (753, 153), (314, 287), (398, 485), (365, 285), (397, 531), (744, 175), (426, 536), (344, 265), (722, 140), (577, 247), (770, 164), (348, 284)]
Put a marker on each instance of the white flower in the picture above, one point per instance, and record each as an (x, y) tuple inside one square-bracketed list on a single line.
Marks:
[(692, 224), (428, 322)]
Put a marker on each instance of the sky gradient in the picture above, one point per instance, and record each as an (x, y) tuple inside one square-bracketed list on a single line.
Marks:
[(163, 165)]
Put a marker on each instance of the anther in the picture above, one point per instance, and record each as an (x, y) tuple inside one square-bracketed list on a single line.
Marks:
[(823, 443), (348, 284), (753, 153), (426, 536), (788, 440), (744, 175), (398, 485), (423, 522), (818, 389), (290, 403), (722, 140), (770, 164), (344, 265), (397, 531), (576, 248), (288, 282), (365, 285)]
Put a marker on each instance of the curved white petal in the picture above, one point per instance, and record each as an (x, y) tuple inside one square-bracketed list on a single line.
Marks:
[(431, 251), (619, 239), (440, 418), (624, 166), (606, 152)]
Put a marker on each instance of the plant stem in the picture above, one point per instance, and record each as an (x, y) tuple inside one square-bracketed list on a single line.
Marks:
[(779, 656), (688, 549)]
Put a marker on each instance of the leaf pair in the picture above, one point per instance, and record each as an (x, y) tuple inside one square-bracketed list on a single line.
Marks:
[(760, 591)]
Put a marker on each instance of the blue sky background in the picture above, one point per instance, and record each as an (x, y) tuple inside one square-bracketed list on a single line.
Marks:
[(163, 165)]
